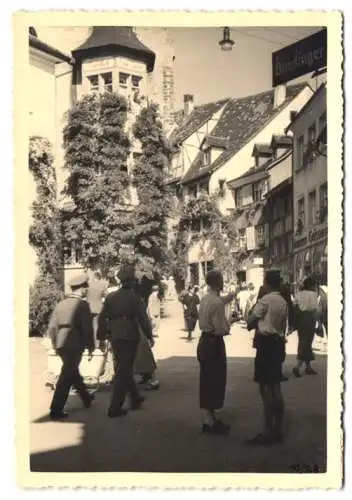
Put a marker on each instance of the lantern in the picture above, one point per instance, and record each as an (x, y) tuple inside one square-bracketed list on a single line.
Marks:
[(226, 43)]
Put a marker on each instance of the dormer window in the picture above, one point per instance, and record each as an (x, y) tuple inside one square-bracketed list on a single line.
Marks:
[(262, 153)]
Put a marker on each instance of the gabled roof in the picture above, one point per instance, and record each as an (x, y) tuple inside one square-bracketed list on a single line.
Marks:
[(306, 106), (255, 174), (114, 38), (198, 117), (241, 120)]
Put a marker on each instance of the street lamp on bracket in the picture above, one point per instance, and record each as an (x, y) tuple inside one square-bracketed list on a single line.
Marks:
[(226, 44)]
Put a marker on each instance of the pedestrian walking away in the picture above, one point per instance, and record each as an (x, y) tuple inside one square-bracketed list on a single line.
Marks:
[(307, 313), (122, 315), (269, 318), (211, 354), (71, 332), (190, 301), (144, 364), (154, 309)]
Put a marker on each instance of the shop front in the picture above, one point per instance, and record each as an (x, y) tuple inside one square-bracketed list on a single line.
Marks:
[(311, 255)]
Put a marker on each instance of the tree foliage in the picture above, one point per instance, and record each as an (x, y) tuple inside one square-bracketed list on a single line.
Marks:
[(45, 230), (149, 218), (44, 236), (217, 231), (96, 156)]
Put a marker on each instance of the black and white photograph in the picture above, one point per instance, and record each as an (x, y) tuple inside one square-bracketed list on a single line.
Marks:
[(181, 247)]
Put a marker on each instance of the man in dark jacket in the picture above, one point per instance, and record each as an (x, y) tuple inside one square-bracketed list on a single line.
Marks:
[(119, 321), (71, 332)]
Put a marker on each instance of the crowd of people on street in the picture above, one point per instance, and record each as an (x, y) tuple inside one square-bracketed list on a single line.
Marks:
[(122, 322)]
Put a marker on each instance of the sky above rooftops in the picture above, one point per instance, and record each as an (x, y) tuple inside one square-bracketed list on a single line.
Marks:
[(201, 68)]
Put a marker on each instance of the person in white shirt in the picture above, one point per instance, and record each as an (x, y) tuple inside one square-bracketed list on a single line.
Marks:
[(211, 353), (269, 317), (307, 311), (154, 309)]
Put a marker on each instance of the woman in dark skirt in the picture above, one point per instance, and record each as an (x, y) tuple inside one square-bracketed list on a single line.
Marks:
[(211, 354), (307, 313)]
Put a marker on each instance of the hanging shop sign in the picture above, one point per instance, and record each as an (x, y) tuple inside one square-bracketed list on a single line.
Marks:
[(318, 234), (300, 58)]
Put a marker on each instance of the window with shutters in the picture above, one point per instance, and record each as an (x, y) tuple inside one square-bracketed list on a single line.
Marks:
[(312, 208), (259, 236), (242, 239), (300, 152), (323, 202), (301, 213)]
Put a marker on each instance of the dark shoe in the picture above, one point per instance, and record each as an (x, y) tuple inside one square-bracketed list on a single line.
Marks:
[(137, 403), (152, 385), (218, 428), (115, 414), (58, 415), (89, 401), (284, 378), (311, 371), (295, 372)]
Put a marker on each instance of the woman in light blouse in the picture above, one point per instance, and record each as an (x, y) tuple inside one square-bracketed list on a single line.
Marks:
[(307, 313)]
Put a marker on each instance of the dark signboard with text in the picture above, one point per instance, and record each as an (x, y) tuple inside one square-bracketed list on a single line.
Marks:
[(300, 58)]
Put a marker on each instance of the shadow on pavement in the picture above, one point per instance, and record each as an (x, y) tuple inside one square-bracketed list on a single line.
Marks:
[(165, 435)]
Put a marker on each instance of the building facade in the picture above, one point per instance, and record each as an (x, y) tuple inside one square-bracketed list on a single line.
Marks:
[(310, 188), (218, 143), (279, 216), (105, 58), (44, 64)]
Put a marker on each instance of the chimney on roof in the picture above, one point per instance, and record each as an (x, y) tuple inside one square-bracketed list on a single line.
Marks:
[(279, 95), (188, 103)]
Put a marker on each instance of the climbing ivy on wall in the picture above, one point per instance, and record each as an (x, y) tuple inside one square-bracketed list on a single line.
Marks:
[(218, 232), (44, 236)]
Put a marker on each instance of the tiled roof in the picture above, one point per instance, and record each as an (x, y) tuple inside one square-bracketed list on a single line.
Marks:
[(199, 116), (115, 37), (241, 120), (253, 171)]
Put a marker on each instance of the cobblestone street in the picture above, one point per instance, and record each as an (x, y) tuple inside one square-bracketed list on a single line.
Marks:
[(165, 435)]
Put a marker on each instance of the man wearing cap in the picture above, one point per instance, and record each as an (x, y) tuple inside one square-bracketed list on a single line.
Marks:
[(122, 315), (269, 317), (211, 353), (71, 332)]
